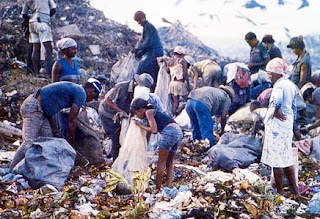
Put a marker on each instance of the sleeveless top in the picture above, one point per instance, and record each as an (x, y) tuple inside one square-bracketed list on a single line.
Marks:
[(176, 71), (67, 72), (162, 120)]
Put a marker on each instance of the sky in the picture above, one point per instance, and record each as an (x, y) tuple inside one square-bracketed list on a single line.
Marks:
[(221, 24)]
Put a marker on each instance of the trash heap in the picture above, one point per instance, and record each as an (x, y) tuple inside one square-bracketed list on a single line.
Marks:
[(176, 34), (198, 192)]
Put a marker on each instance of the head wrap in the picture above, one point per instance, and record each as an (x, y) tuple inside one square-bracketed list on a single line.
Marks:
[(278, 66), (65, 43), (139, 15)]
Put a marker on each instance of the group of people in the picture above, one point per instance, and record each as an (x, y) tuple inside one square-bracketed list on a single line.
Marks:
[(215, 92)]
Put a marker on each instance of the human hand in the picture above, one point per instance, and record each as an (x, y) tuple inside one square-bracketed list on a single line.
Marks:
[(279, 115), (134, 50), (138, 123), (57, 134), (122, 114), (304, 131)]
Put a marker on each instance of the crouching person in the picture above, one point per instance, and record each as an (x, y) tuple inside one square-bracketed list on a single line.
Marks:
[(203, 103), (171, 136), (39, 108)]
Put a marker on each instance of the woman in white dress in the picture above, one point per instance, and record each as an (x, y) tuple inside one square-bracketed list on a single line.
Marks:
[(277, 148)]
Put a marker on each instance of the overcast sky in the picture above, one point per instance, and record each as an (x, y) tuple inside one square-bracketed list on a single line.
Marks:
[(228, 23)]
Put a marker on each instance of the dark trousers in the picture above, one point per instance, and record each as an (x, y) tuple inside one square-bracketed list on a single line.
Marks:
[(112, 130), (150, 65)]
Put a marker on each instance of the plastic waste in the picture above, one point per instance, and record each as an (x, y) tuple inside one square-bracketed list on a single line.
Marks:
[(314, 205), (47, 161), (162, 88), (125, 68), (133, 153)]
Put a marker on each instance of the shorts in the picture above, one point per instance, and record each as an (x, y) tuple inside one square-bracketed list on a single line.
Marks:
[(40, 32), (171, 137), (178, 88)]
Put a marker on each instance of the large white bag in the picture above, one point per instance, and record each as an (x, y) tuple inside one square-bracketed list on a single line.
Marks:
[(162, 88), (125, 68), (133, 153)]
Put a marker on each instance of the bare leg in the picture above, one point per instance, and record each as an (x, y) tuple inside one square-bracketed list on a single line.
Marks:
[(170, 168), (163, 155), (289, 171), (278, 176), (48, 57), (36, 58), (175, 104)]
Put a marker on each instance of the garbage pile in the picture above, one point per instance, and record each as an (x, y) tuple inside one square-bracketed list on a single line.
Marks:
[(198, 192), (101, 41), (176, 34)]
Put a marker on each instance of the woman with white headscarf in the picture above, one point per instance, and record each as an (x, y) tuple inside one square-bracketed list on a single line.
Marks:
[(277, 148), (65, 69)]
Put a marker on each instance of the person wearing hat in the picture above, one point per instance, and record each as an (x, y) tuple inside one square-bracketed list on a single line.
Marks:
[(178, 69), (209, 71), (39, 108), (116, 105), (272, 49), (279, 121), (205, 102), (142, 91), (302, 66), (259, 55), (65, 68), (148, 45)]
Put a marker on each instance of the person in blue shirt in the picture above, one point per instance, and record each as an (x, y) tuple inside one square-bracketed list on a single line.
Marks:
[(39, 108), (150, 46), (273, 50), (65, 68), (259, 56)]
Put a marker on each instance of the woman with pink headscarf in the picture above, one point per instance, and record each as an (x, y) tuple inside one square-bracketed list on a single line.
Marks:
[(277, 148)]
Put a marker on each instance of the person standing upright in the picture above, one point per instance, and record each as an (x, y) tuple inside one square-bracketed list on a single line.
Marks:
[(302, 66), (150, 46), (279, 120), (40, 30), (259, 56), (272, 49)]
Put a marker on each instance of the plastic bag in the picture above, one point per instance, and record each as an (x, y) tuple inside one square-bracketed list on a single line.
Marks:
[(133, 153), (125, 68), (124, 129), (241, 115), (87, 144), (234, 151), (162, 89), (47, 161)]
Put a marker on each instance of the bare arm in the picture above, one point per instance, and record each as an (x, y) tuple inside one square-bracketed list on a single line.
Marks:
[(195, 77), (152, 128), (113, 106), (303, 74), (72, 123), (223, 121), (56, 71), (185, 74)]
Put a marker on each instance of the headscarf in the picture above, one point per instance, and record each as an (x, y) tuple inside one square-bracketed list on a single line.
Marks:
[(65, 43), (277, 66)]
